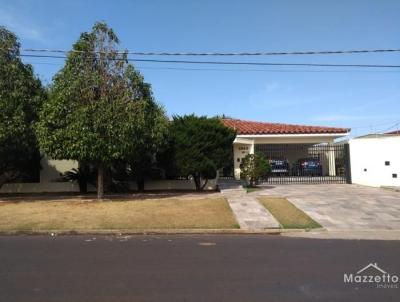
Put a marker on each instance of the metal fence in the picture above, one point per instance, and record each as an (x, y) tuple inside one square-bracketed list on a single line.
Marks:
[(306, 163)]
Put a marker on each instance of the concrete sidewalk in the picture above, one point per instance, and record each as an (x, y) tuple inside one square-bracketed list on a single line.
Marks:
[(249, 213)]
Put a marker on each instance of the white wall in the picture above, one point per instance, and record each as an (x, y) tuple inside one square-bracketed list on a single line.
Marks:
[(39, 187), (175, 184), (50, 175), (368, 156), (52, 169)]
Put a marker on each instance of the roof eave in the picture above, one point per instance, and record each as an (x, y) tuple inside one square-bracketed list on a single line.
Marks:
[(336, 134)]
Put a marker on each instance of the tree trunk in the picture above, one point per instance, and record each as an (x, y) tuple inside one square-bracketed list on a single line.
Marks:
[(82, 186), (100, 181), (204, 185), (140, 184), (3, 180), (251, 182), (197, 181), (83, 180)]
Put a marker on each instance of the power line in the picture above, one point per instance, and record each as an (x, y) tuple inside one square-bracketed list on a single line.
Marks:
[(258, 70), (327, 52), (239, 70), (391, 127), (231, 63), (372, 125)]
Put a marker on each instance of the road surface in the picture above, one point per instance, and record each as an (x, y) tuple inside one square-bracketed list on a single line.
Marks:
[(190, 268)]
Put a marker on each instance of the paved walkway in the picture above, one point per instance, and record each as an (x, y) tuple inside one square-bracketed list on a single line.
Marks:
[(249, 213), (344, 207)]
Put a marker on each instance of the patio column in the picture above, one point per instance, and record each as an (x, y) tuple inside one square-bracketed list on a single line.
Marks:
[(331, 161), (251, 148), (240, 149)]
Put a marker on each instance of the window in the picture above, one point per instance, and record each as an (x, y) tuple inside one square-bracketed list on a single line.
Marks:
[(394, 175), (387, 163), (365, 170)]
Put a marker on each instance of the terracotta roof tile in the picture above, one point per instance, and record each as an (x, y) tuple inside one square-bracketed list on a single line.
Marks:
[(250, 127)]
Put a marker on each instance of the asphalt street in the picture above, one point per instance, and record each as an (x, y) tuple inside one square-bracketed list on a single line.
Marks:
[(191, 268)]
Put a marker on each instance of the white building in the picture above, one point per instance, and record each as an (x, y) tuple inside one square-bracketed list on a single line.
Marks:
[(275, 140), (375, 160)]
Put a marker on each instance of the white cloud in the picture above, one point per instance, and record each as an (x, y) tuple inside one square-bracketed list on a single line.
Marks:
[(274, 96), (271, 87), (22, 28)]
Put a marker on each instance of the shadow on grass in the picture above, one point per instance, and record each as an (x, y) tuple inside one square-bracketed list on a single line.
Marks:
[(134, 195), (256, 188)]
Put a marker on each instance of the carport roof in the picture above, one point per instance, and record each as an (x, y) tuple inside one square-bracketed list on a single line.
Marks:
[(251, 127)]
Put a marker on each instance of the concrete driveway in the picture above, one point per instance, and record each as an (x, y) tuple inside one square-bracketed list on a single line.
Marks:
[(344, 207)]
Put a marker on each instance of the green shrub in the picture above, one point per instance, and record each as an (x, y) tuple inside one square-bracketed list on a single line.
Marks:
[(254, 167)]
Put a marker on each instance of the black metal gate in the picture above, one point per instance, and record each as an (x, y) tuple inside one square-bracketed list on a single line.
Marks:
[(306, 163)]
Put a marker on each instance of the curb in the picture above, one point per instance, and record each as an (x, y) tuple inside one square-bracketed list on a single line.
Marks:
[(346, 234), (120, 232)]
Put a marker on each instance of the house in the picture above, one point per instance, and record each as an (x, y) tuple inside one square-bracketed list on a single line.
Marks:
[(375, 159), (276, 141), (290, 143)]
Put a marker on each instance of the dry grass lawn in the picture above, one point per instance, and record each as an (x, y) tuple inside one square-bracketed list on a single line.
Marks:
[(289, 216), (80, 215)]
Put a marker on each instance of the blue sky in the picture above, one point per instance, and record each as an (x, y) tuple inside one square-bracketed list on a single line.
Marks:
[(365, 100)]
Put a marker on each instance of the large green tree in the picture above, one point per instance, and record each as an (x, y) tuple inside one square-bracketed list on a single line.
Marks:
[(21, 95), (153, 136), (201, 146), (94, 114)]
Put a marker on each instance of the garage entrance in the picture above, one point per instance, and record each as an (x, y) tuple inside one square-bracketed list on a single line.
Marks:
[(306, 163)]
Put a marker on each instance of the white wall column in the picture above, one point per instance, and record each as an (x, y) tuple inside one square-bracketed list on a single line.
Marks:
[(251, 148), (241, 147), (331, 161)]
